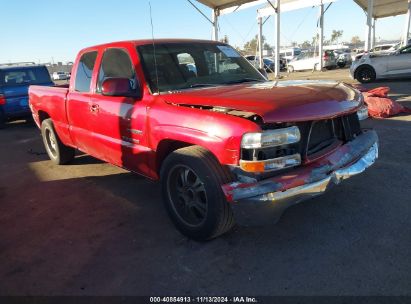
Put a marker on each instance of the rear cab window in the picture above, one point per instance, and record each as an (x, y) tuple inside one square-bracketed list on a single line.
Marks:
[(84, 71), (24, 76)]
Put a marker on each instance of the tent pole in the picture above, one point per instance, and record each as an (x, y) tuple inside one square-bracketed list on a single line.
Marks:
[(277, 39), (260, 42), (407, 24), (373, 33), (321, 36), (214, 20), (370, 8)]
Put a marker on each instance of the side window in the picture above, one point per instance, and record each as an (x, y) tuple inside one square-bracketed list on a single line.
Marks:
[(116, 63), (85, 71)]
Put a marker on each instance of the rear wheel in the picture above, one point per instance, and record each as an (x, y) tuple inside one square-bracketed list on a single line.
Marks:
[(191, 185), (365, 74), (341, 64), (59, 153)]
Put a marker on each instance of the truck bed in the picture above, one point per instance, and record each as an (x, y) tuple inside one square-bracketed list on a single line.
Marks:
[(50, 100)]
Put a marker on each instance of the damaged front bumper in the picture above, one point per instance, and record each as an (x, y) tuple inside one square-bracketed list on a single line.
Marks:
[(264, 201)]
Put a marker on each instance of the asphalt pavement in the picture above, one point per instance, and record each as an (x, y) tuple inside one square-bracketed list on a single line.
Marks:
[(90, 228)]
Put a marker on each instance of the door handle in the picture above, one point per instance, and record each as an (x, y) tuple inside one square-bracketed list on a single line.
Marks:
[(94, 108)]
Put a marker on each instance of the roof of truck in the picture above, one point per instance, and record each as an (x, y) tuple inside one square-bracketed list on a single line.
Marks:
[(150, 41)]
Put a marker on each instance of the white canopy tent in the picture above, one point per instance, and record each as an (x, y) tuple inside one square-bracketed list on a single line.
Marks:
[(290, 5), (374, 8), (273, 7), (384, 8)]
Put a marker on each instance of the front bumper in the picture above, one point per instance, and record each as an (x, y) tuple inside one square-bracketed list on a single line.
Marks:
[(264, 202)]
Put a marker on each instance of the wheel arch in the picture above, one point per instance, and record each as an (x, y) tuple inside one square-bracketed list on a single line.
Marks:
[(43, 115), (164, 148), (167, 146)]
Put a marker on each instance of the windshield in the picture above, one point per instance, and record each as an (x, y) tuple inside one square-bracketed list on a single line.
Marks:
[(189, 65), (24, 76)]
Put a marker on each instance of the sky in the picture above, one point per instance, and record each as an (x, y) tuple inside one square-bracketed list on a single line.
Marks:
[(51, 30)]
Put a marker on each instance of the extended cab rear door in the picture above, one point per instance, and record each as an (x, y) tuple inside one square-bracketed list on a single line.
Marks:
[(119, 128), (78, 105)]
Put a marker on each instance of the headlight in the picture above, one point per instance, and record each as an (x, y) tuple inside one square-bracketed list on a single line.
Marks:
[(362, 113), (271, 138)]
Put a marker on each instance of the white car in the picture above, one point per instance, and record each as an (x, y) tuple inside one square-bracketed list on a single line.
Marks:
[(60, 76), (310, 61), (372, 66), (383, 49)]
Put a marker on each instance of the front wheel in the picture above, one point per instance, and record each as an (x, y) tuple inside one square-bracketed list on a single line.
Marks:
[(365, 74), (191, 186), (290, 69), (58, 152)]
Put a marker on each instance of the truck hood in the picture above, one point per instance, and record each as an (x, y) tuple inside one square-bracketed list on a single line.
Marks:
[(284, 101)]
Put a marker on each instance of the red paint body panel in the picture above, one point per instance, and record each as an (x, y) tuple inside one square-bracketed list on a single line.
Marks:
[(286, 102), (127, 131)]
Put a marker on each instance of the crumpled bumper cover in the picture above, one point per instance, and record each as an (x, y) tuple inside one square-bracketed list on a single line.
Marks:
[(265, 201)]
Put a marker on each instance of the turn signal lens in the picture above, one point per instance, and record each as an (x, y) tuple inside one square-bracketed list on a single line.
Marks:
[(271, 164)]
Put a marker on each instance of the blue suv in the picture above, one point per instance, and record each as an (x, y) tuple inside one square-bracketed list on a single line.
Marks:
[(14, 85)]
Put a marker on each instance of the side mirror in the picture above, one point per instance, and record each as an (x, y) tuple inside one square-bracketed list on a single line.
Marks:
[(118, 87)]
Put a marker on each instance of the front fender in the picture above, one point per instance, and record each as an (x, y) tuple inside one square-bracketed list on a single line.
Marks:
[(219, 133)]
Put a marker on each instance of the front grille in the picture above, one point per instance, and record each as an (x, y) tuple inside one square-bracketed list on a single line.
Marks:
[(317, 138)]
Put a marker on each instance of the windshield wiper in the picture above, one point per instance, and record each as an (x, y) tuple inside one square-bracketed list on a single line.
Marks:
[(242, 80), (198, 85)]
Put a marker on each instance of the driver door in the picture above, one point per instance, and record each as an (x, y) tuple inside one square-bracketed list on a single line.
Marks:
[(119, 123), (399, 64)]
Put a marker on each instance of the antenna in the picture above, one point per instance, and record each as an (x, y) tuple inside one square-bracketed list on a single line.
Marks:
[(154, 48)]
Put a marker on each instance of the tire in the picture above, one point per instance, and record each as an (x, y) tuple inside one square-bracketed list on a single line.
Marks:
[(59, 153), (365, 74), (290, 69), (2, 119), (341, 64), (191, 180)]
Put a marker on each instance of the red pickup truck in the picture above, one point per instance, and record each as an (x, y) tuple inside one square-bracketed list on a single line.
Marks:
[(227, 144)]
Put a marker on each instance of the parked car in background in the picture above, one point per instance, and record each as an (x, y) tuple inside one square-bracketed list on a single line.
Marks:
[(227, 145), (60, 76), (311, 61), (343, 57), (14, 84), (269, 63), (378, 66), (383, 49), (290, 53)]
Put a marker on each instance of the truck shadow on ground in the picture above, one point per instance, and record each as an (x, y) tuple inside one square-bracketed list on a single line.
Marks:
[(110, 235), (105, 235)]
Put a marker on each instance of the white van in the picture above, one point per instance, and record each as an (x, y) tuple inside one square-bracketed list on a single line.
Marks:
[(290, 53)]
